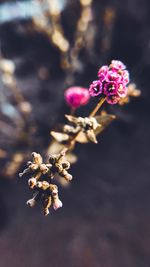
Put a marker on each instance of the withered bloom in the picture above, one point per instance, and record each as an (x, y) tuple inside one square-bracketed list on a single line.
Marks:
[(60, 165), (86, 125), (36, 166)]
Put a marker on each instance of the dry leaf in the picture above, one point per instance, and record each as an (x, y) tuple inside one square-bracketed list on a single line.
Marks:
[(91, 136), (103, 120), (60, 137)]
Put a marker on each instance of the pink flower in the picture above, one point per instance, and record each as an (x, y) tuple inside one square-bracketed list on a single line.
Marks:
[(77, 96), (118, 65), (95, 88), (110, 88), (57, 204), (112, 82), (122, 90), (125, 77), (103, 71), (112, 99), (113, 75)]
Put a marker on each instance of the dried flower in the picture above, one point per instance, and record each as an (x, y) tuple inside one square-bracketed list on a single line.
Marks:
[(36, 166), (60, 165), (48, 194), (86, 125), (79, 133), (77, 96), (40, 179), (112, 82)]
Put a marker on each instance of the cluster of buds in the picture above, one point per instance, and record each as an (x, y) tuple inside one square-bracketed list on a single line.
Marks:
[(45, 192), (41, 175), (112, 82), (86, 125), (60, 165)]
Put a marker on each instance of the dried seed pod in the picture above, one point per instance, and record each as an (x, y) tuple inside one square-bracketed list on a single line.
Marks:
[(36, 167), (32, 182), (60, 165), (44, 168), (66, 175), (37, 158), (46, 205), (32, 202), (44, 185)]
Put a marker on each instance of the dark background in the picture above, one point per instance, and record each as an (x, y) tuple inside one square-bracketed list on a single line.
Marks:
[(105, 220)]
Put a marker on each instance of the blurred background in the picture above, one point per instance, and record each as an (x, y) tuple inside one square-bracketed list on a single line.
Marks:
[(46, 46)]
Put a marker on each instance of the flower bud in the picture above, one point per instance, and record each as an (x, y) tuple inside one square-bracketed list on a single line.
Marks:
[(77, 96)]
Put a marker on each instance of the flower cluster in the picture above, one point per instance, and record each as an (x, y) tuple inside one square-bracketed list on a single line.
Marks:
[(112, 82), (40, 176)]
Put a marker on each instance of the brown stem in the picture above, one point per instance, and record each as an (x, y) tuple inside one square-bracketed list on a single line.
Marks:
[(72, 111), (100, 103)]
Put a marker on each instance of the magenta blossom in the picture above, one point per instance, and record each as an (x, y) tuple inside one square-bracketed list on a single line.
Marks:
[(112, 82), (111, 88), (125, 77), (118, 65), (112, 99), (103, 71), (113, 76), (77, 96), (122, 90), (95, 88)]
